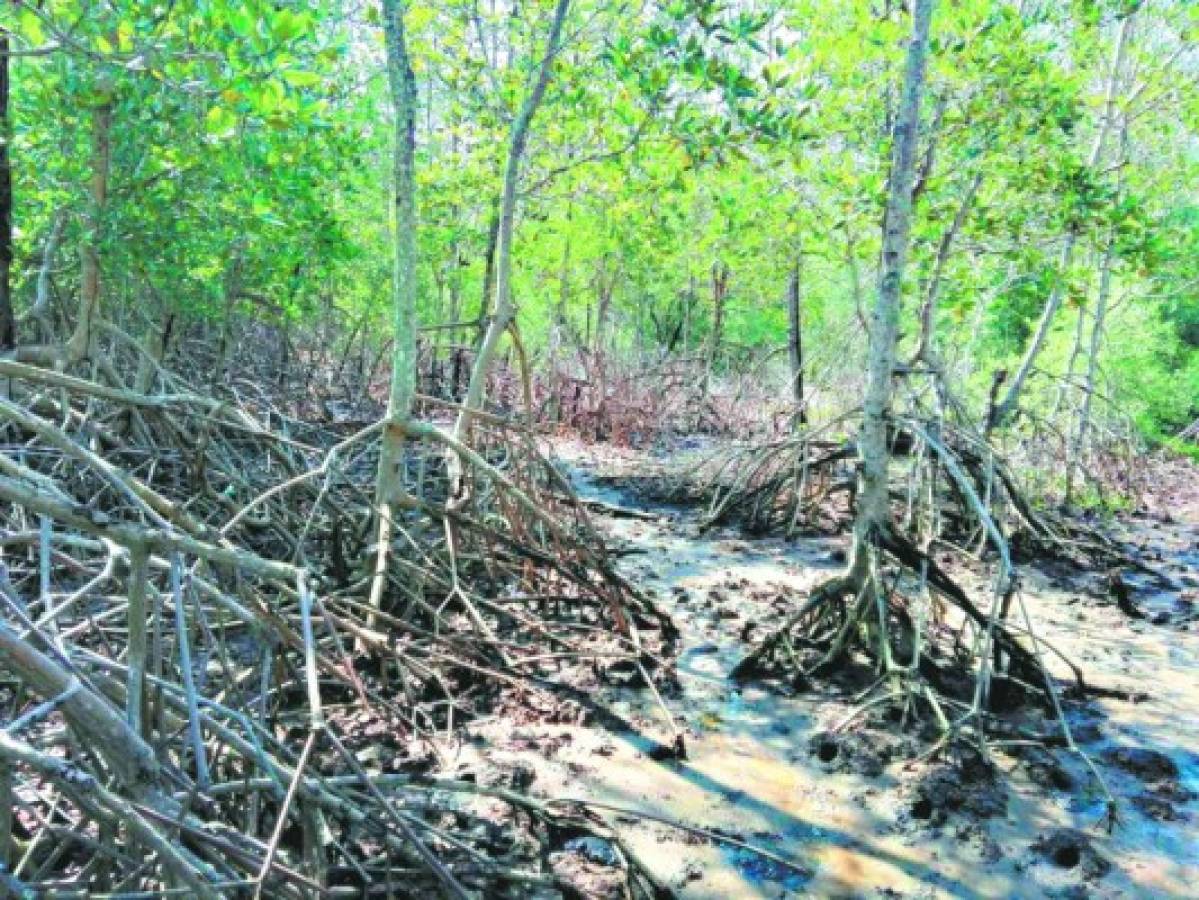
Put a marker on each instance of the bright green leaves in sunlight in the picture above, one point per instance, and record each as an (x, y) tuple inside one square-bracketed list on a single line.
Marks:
[(251, 149)]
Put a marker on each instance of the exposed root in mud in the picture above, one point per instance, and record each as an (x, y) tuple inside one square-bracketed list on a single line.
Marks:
[(808, 481), (196, 680), (934, 652)]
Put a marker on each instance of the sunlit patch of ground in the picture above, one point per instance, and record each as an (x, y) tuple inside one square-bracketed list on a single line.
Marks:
[(853, 826)]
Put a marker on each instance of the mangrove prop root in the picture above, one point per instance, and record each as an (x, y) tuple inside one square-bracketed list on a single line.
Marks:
[(265, 731)]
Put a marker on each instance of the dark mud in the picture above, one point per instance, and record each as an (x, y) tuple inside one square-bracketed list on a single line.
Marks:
[(857, 812)]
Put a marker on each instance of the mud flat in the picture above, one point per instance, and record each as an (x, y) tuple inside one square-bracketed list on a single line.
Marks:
[(860, 813)]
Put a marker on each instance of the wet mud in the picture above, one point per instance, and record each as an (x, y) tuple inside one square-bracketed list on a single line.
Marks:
[(863, 812)]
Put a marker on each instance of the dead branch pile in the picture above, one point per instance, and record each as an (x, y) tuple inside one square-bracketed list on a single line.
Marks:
[(199, 699), (808, 481), (635, 402)]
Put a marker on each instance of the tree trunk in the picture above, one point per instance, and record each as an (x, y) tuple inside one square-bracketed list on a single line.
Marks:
[(40, 311), (390, 491), (795, 339), (720, 286), (927, 349), (1078, 447), (605, 284), (1078, 442), (1004, 410), (688, 304), (505, 310), (402, 80), (873, 516), (80, 343), (1080, 331), (230, 289), (855, 279), (493, 234), (157, 340), (8, 322)]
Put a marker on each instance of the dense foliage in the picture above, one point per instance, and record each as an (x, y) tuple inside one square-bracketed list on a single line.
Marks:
[(679, 145)]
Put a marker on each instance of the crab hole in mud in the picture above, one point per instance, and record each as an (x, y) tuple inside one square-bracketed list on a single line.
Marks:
[(1067, 856), (828, 751), (922, 808)]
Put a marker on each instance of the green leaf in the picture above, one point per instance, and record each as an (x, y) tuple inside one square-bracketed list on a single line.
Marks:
[(301, 79), (242, 22), (220, 122), (287, 26), (125, 36), (30, 28)]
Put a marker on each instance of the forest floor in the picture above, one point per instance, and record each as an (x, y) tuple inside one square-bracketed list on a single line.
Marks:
[(853, 812)]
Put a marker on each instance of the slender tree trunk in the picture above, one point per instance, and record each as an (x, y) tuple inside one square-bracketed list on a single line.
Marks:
[(1079, 445), (1078, 441), (928, 309), (564, 275), (873, 510), (158, 337), (1080, 333), (40, 311), (1004, 410), (927, 350), (390, 491), (505, 310), (688, 303), (855, 279), (231, 286), (720, 285), (8, 321), (493, 236), (404, 326), (80, 343), (795, 338), (605, 285), (558, 328)]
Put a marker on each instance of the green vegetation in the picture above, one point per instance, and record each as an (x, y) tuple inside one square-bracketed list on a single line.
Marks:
[(292, 290), (249, 159)]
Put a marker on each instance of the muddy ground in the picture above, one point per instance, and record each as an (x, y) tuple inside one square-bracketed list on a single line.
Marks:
[(853, 815)]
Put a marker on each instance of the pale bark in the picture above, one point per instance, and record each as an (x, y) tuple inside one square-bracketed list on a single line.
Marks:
[(927, 349), (873, 511), (105, 731), (1005, 408), (404, 326), (1078, 440), (1080, 331), (149, 362), (390, 490), (1079, 443), (80, 344), (855, 279), (40, 310), (605, 286), (504, 311)]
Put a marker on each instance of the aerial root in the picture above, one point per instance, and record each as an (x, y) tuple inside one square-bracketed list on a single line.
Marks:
[(930, 647), (201, 685)]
